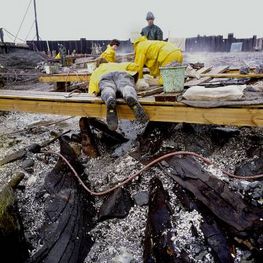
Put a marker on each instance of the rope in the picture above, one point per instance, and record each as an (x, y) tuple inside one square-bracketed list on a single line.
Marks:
[(30, 30), (8, 32), (118, 185), (27, 9)]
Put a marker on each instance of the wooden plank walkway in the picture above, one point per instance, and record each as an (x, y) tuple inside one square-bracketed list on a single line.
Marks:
[(71, 77), (87, 105)]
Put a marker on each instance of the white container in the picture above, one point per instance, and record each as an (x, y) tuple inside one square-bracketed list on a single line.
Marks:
[(51, 69), (91, 67)]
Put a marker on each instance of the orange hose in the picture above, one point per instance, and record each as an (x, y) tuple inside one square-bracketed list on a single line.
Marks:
[(207, 161)]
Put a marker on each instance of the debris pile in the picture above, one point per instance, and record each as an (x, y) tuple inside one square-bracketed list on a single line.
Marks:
[(18, 69), (118, 225)]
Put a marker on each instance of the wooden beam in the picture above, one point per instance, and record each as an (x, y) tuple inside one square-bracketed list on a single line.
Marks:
[(233, 76), (163, 112), (204, 70), (64, 78), (150, 91), (206, 78)]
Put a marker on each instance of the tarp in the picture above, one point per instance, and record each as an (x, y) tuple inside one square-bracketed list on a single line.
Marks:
[(232, 92)]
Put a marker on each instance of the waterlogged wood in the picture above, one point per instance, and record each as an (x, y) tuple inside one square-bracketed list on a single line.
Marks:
[(7, 200), (12, 240), (158, 244), (68, 214), (213, 234), (241, 219), (13, 157), (88, 142), (111, 137)]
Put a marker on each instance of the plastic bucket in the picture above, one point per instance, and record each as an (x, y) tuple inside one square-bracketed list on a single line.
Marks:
[(173, 78)]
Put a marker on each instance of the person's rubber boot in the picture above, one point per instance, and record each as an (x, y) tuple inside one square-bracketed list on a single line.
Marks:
[(137, 109), (112, 118)]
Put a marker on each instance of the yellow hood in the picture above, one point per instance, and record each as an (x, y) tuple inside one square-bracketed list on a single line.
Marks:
[(109, 54), (139, 40)]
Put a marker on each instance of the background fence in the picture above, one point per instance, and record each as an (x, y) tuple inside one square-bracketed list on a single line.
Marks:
[(194, 44)]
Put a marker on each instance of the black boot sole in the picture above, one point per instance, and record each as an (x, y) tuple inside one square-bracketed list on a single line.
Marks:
[(112, 118), (137, 109)]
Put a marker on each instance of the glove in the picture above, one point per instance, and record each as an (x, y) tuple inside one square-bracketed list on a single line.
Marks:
[(151, 80), (142, 85)]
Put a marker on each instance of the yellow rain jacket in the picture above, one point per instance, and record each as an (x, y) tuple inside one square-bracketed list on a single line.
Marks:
[(155, 54), (58, 56), (106, 68), (109, 54)]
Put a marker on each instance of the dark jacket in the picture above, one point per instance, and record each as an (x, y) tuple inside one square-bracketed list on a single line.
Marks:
[(152, 32)]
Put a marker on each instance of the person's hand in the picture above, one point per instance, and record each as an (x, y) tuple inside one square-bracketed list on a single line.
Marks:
[(151, 80), (142, 85)]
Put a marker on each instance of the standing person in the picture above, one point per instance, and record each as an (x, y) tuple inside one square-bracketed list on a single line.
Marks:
[(112, 78), (152, 32), (61, 54), (110, 53)]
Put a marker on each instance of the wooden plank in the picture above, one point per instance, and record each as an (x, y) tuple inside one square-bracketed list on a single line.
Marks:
[(204, 70), (236, 70), (170, 113), (150, 92), (81, 98), (81, 77), (231, 75), (164, 97), (196, 82), (196, 74), (63, 96)]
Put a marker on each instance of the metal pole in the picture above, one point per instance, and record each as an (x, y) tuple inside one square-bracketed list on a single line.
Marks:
[(35, 9)]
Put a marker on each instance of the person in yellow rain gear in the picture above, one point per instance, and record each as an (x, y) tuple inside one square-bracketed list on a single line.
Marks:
[(110, 79), (61, 54), (155, 54), (110, 53), (58, 56)]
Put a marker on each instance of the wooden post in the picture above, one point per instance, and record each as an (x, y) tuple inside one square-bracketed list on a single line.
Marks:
[(89, 146), (229, 41), (83, 45), (36, 23), (254, 42)]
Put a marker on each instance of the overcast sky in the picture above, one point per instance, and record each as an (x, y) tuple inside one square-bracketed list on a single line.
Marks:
[(107, 19)]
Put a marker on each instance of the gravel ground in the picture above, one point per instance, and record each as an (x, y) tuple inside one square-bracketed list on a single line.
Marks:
[(115, 239)]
